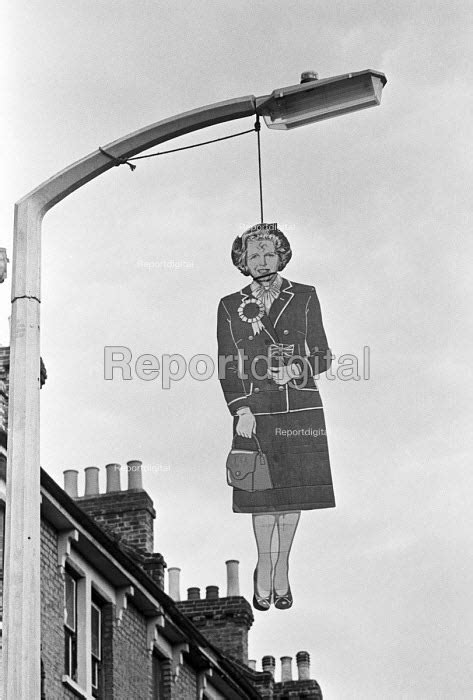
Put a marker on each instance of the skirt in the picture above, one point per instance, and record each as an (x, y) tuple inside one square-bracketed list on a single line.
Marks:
[(295, 445)]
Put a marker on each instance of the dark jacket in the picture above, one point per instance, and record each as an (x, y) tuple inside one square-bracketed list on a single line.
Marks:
[(294, 320)]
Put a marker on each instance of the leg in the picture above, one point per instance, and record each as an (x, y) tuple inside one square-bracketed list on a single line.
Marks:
[(286, 526), (263, 527)]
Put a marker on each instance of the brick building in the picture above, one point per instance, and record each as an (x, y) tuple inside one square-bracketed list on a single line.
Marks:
[(109, 630)]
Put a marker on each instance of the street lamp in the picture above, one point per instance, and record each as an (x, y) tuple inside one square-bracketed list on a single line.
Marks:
[(314, 99), (22, 633)]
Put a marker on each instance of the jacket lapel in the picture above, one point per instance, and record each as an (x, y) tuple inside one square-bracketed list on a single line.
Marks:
[(246, 292), (269, 328), (280, 304)]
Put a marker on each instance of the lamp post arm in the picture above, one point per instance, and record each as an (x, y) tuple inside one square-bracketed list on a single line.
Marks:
[(22, 636), (32, 207)]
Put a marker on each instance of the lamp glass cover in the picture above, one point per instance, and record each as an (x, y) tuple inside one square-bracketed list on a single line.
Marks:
[(320, 100)]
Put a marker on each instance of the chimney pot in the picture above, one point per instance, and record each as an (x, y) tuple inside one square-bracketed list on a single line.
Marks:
[(174, 575), (233, 583), (303, 665), (286, 668), (268, 663), (211, 592), (91, 481), (252, 664), (113, 477), (193, 593), (135, 475), (70, 482)]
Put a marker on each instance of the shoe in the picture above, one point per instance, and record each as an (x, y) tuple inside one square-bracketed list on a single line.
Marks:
[(283, 602), (260, 602)]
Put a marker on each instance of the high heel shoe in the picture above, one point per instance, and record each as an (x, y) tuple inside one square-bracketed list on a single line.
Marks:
[(260, 602), (284, 601)]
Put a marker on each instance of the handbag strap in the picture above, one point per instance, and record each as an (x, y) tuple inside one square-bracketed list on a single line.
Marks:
[(256, 440)]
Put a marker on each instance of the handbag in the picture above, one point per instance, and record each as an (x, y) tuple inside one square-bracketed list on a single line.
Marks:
[(248, 470)]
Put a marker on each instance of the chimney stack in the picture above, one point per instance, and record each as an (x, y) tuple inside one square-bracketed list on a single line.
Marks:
[(70, 482), (303, 665), (113, 477), (193, 593), (286, 668), (174, 587), (128, 514), (233, 583), (135, 475), (269, 664), (91, 481), (225, 621)]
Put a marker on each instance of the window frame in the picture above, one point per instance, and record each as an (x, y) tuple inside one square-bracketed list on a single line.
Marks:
[(96, 662), (91, 588), (70, 631)]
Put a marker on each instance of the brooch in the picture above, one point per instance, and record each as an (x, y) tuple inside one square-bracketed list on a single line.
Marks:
[(251, 311)]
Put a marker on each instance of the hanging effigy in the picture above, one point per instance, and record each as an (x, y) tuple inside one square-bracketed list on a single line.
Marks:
[(272, 347)]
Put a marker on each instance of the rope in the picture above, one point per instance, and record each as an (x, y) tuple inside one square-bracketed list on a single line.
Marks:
[(126, 161), (258, 129), (117, 161), (194, 145)]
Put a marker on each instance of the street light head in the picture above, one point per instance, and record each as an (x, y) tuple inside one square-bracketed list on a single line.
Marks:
[(314, 100)]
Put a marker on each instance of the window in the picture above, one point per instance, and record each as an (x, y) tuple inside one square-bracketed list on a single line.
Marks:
[(70, 625), (88, 628), (158, 677), (96, 647)]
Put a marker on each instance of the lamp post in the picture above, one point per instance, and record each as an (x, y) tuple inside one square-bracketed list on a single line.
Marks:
[(22, 636)]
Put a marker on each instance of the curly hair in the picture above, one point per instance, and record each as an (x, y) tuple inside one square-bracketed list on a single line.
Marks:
[(260, 232)]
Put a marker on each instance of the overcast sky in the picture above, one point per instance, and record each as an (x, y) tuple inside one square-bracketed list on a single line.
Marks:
[(377, 206)]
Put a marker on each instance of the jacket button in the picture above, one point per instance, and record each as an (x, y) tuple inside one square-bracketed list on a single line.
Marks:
[(281, 388), (286, 332), (250, 337), (256, 390)]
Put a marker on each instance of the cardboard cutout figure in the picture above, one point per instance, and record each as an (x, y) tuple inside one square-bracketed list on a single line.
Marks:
[(272, 346)]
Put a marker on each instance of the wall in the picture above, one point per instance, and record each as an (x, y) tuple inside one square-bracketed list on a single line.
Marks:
[(127, 664), (130, 661), (52, 616), (224, 622), (186, 686)]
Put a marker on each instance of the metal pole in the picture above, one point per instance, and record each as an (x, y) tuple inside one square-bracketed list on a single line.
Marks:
[(22, 636)]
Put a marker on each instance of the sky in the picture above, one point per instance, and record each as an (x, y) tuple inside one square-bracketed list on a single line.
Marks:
[(377, 206)]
